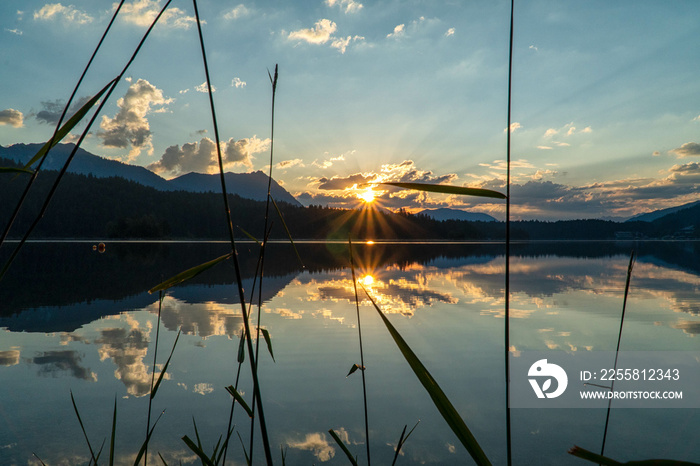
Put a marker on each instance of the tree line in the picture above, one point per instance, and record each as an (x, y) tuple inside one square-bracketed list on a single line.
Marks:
[(85, 206)]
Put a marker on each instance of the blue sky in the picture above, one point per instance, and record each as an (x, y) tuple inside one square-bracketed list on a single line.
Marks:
[(606, 95)]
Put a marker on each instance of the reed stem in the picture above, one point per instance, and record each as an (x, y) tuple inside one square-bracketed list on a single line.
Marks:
[(362, 357), (509, 460), (234, 253)]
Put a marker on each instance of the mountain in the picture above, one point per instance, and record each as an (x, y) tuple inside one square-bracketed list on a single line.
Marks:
[(254, 185), (456, 214), (246, 185), (657, 214)]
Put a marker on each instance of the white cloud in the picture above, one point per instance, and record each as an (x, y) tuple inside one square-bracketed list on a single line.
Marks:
[(320, 34), (203, 388), (238, 12), (203, 88), (236, 82), (450, 32), (55, 11), (11, 117), (350, 6), (532, 47), (144, 12), (513, 127), (550, 132), (399, 31), (129, 127), (342, 44), (14, 31)]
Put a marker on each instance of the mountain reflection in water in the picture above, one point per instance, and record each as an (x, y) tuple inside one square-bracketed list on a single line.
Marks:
[(85, 322)]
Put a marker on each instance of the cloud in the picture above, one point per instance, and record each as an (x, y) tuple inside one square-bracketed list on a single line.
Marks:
[(338, 183), (342, 44), (238, 12), (202, 157), (318, 443), (11, 117), (550, 132), (52, 362), (406, 172), (204, 88), (68, 14), (350, 6), (320, 34), (237, 83), (16, 32), (689, 149), (144, 12), (52, 110), (127, 348), (399, 31), (129, 127), (513, 127), (532, 47), (450, 32), (289, 164), (9, 357)]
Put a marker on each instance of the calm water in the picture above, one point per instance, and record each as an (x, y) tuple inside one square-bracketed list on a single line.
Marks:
[(77, 320)]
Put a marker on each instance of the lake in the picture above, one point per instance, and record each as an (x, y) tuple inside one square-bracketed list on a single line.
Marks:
[(74, 320)]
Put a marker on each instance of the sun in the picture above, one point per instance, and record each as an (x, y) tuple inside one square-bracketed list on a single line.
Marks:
[(367, 196)]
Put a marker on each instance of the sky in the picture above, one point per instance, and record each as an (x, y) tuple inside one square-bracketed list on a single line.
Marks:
[(605, 96)]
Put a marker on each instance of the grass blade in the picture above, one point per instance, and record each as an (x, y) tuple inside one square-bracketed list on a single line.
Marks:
[(448, 189), (240, 399), (245, 453), (165, 368), (143, 448), (289, 235), (197, 450), (162, 459), (402, 441), (442, 403), (241, 350), (342, 446), (82, 427), (114, 434), (353, 369), (16, 170), (68, 126), (188, 274), (266, 336), (250, 236)]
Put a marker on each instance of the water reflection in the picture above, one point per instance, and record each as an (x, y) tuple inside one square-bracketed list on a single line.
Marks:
[(94, 329), (52, 362)]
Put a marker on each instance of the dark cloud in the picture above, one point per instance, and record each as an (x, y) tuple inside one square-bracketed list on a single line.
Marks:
[(202, 157), (52, 362), (9, 357), (689, 149), (337, 183), (52, 110)]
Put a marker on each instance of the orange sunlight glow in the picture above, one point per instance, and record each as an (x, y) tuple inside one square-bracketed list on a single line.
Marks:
[(367, 196), (367, 280)]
